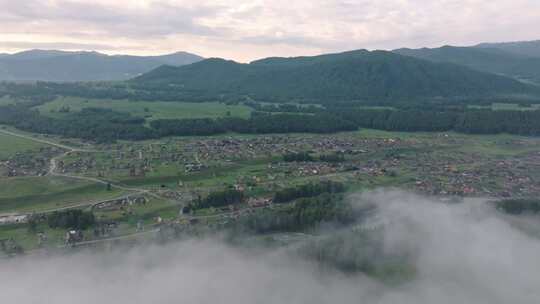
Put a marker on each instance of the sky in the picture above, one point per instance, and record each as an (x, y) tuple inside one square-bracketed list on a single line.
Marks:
[(245, 30)]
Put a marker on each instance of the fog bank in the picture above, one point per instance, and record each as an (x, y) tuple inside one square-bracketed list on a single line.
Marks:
[(463, 253)]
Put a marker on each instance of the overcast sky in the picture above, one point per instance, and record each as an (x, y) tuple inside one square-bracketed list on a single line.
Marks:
[(246, 30)]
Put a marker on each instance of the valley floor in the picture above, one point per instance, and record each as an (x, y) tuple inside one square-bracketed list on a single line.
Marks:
[(139, 186)]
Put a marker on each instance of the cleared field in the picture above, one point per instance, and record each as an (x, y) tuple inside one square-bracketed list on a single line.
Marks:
[(151, 110), (489, 145), (10, 145), (45, 193), (146, 213), (28, 240), (5, 100)]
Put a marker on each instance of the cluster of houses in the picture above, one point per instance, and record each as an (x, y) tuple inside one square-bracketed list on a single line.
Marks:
[(194, 155), (8, 219), (32, 163), (466, 174), (120, 203)]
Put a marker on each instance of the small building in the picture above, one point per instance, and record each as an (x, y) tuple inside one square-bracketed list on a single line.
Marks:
[(259, 202), (73, 237)]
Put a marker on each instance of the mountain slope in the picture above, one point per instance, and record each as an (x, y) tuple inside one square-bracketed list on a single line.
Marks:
[(345, 76), (82, 66), (491, 60), (523, 48), (41, 54)]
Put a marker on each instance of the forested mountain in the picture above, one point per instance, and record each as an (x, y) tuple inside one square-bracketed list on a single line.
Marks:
[(82, 66), (523, 48), (356, 75), (491, 60)]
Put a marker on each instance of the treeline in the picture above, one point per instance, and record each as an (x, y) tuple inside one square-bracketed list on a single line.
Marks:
[(353, 252), (109, 90), (71, 219), (399, 120), (519, 206), (100, 125), (298, 157), (306, 213), (36, 94), (306, 157), (493, 122), (283, 108), (307, 190), (188, 127), (468, 121), (258, 124), (219, 199), (332, 158), (105, 125)]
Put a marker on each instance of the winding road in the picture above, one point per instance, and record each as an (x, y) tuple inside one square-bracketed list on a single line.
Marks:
[(43, 141), (53, 166)]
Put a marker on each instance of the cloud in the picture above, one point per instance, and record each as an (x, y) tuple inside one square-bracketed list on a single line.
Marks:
[(246, 30), (467, 253), (58, 45), (463, 253), (119, 19)]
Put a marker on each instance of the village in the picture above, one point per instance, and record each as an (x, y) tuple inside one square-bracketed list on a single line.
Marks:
[(28, 164), (435, 166), (158, 179)]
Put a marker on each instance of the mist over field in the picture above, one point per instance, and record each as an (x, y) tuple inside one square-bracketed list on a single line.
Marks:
[(461, 253)]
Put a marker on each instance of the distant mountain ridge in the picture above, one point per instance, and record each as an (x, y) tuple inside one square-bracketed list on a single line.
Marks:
[(504, 59), (344, 76), (53, 65), (522, 48)]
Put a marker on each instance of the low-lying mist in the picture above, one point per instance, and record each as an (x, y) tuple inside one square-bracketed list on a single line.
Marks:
[(460, 253)]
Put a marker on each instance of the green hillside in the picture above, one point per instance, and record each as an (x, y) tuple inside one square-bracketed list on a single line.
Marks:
[(491, 60), (356, 75)]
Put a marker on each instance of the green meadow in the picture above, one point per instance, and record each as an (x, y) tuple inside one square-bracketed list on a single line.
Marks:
[(10, 145), (28, 194), (149, 109)]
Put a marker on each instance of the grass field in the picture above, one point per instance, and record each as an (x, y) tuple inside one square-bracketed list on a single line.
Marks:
[(146, 213), (9, 145), (151, 110), (28, 240), (44, 193), (502, 145), (5, 100)]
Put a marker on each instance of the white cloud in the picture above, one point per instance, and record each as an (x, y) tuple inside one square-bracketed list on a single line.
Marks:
[(462, 253), (246, 30)]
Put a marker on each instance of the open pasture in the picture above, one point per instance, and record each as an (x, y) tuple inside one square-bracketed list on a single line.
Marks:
[(9, 145), (6, 100), (149, 109), (35, 194)]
